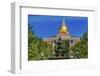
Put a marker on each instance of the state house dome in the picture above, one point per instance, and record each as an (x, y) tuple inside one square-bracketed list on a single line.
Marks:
[(63, 28)]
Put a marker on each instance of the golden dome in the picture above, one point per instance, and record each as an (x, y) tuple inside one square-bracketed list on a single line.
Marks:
[(63, 28)]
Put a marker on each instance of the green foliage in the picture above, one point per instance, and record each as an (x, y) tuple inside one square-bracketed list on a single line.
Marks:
[(37, 49), (65, 46), (81, 48)]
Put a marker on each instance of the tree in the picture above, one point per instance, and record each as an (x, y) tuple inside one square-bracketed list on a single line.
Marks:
[(80, 49), (61, 48), (66, 47), (37, 49)]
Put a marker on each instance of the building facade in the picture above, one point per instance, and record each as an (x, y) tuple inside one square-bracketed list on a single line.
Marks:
[(64, 34)]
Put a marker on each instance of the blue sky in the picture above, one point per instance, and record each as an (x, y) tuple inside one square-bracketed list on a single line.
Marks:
[(47, 26)]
